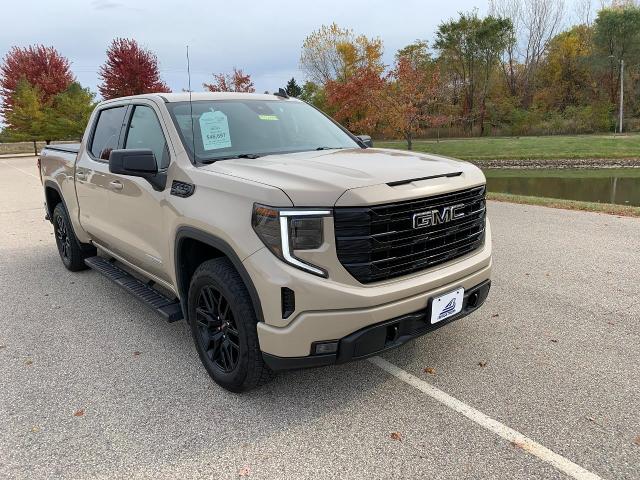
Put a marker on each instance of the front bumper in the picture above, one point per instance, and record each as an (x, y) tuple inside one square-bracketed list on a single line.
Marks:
[(382, 336)]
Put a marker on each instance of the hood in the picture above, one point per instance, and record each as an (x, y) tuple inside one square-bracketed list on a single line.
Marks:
[(322, 178)]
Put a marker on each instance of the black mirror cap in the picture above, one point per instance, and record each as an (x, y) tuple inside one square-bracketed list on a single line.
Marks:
[(366, 140), (138, 163), (135, 162)]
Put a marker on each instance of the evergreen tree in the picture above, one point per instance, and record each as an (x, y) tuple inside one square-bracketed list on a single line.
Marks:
[(293, 89)]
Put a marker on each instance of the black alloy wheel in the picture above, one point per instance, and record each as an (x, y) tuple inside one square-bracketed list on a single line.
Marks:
[(218, 332)]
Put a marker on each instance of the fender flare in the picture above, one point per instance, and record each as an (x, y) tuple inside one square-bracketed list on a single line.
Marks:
[(184, 233), (56, 187)]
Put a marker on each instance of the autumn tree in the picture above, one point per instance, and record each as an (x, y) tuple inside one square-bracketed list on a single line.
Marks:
[(470, 47), (416, 53), (410, 99), (236, 81), (617, 37), (41, 67), (565, 77), (356, 101), (129, 70), (335, 53), (293, 89)]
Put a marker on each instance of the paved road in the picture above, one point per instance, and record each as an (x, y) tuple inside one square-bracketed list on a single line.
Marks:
[(94, 385)]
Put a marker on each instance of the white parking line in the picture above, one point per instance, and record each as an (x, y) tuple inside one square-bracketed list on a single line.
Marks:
[(520, 440)]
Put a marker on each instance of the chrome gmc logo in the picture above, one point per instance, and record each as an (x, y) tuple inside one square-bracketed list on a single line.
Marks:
[(437, 216)]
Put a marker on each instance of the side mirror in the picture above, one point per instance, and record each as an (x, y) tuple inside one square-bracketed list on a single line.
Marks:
[(366, 139), (138, 163)]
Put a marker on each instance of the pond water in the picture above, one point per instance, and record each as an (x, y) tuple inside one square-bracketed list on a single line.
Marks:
[(605, 185)]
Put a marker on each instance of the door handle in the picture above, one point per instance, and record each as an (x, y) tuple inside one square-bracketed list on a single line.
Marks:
[(81, 175), (116, 185)]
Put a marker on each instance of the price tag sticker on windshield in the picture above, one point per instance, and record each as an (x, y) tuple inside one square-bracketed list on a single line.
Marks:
[(214, 128)]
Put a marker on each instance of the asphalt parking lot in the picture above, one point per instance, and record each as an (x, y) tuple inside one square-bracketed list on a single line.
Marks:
[(92, 384)]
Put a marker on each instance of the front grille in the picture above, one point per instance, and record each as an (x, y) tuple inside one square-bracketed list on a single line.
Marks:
[(380, 242)]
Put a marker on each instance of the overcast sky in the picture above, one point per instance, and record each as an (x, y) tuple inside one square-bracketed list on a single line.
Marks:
[(262, 37)]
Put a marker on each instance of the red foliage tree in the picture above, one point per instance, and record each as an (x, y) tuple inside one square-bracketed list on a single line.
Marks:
[(42, 67), (237, 81), (411, 98), (356, 101), (129, 70)]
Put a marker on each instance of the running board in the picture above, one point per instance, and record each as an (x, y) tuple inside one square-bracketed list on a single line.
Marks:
[(168, 308)]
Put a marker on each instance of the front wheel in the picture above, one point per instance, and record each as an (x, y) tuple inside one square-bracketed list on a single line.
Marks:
[(71, 252), (223, 325)]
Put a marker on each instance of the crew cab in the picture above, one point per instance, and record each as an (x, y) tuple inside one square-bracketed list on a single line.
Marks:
[(281, 238)]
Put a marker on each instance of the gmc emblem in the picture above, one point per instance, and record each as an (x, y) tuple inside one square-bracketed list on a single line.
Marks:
[(437, 216)]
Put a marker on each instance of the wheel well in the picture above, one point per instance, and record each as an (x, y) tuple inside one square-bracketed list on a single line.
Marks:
[(192, 248), (53, 198), (191, 253)]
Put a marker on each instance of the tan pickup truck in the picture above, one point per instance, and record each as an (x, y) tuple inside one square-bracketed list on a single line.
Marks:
[(284, 240)]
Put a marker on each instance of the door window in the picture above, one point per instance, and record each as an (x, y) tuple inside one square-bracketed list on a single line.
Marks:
[(145, 132), (107, 132)]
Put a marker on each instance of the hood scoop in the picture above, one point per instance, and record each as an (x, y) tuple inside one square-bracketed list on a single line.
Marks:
[(419, 179)]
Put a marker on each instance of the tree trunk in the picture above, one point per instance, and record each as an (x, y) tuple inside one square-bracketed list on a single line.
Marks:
[(409, 142), (35, 148)]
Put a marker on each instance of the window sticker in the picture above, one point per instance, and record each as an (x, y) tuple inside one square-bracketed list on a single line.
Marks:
[(267, 117), (214, 128)]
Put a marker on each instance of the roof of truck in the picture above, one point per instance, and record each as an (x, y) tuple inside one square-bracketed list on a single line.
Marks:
[(196, 96)]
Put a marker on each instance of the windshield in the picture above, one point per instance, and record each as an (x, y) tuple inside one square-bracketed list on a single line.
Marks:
[(228, 128)]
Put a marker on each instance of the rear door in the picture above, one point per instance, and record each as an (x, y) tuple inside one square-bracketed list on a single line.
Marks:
[(92, 171), (136, 218)]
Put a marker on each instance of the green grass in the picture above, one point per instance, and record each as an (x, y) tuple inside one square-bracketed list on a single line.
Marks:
[(609, 208), (524, 148), (586, 173)]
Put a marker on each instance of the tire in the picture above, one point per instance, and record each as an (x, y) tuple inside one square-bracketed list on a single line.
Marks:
[(72, 253), (223, 324)]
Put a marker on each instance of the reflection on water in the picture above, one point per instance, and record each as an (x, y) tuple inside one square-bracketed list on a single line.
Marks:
[(616, 186)]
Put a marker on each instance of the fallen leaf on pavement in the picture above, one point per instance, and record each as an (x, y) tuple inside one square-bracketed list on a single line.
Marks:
[(28, 362), (554, 340), (517, 445), (495, 315), (430, 370), (79, 413), (396, 436), (637, 440), (35, 429), (482, 364), (135, 354), (2, 346), (245, 471)]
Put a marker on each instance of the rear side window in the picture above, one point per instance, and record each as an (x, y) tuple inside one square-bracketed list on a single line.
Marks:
[(107, 132), (145, 132)]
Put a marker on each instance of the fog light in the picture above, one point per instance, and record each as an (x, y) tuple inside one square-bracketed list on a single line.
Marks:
[(326, 347)]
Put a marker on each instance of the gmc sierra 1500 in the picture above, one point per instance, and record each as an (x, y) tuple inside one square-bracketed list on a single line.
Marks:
[(283, 240)]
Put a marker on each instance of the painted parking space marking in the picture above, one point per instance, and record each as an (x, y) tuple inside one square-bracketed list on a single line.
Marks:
[(525, 443)]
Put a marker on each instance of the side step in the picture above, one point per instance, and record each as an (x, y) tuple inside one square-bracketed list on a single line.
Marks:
[(168, 308)]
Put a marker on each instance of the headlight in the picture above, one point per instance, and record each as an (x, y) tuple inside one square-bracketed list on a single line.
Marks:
[(284, 230)]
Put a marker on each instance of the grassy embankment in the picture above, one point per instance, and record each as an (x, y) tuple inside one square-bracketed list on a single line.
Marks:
[(603, 148), (529, 148)]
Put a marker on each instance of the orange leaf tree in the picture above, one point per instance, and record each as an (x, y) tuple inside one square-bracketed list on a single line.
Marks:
[(356, 101), (237, 81), (410, 99)]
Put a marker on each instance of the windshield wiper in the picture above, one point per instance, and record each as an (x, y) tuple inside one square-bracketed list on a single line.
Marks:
[(330, 148), (231, 157)]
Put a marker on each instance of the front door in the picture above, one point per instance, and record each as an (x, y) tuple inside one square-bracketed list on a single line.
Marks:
[(137, 219)]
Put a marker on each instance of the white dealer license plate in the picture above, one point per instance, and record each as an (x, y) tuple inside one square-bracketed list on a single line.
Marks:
[(446, 305)]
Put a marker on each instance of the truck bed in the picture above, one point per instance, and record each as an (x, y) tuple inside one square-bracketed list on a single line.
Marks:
[(65, 147)]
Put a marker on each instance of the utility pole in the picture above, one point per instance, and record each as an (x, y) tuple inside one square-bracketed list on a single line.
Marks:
[(621, 91)]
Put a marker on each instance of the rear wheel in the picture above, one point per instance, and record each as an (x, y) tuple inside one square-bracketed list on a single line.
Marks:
[(223, 325), (71, 252)]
